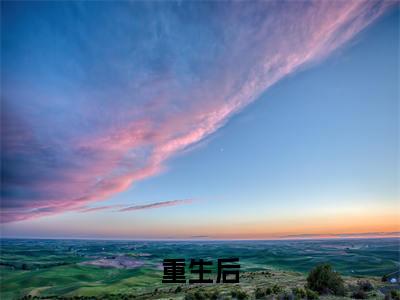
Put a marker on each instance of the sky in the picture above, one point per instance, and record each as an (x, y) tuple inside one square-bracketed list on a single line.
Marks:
[(199, 120)]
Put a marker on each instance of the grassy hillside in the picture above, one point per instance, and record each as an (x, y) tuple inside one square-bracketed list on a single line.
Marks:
[(133, 269), (282, 284)]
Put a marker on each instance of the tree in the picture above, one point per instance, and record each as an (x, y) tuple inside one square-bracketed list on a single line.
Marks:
[(324, 280)]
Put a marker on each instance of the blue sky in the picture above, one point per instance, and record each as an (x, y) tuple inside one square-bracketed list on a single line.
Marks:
[(314, 150)]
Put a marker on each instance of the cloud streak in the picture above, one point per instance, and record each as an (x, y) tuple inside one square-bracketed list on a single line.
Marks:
[(157, 205), (98, 208), (120, 208), (90, 109)]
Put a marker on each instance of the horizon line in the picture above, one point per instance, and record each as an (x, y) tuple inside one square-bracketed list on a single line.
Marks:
[(206, 240)]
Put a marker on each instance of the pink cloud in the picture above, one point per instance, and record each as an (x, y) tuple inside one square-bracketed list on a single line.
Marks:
[(118, 133)]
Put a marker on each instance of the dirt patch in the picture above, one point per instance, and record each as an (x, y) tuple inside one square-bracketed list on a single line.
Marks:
[(119, 262)]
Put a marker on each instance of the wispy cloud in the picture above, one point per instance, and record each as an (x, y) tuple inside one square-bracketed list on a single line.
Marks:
[(157, 205), (199, 237), (98, 208), (122, 208), (89, 110)]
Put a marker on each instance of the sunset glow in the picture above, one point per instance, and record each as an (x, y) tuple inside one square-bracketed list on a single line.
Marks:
[(200, 120)]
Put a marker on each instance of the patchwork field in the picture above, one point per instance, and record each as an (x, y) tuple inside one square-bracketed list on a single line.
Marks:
[(107, 269)]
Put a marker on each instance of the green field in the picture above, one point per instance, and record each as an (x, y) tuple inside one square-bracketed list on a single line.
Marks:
[(67, 268)]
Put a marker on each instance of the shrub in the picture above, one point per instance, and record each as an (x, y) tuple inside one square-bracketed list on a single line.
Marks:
[(299, 293), (276, 289), (360, 294), (304, 293), (214, 295), (189, 297), (198, 295), (177, 290), (323, 280), (395, 294), (260, 293), (239, 294), (365, 285), (311, 295)]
